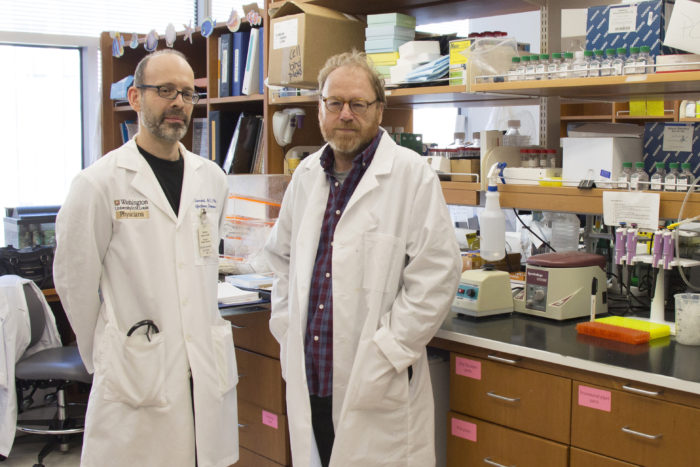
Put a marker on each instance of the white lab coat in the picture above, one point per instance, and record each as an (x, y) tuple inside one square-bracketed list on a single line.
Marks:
[(117, 235), (395, 270), (15, 337)]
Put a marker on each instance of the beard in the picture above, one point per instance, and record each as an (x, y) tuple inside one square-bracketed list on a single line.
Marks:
[(166, 131), (349, 143)]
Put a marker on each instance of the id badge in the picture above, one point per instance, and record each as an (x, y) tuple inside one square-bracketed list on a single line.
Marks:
[(204, 236)]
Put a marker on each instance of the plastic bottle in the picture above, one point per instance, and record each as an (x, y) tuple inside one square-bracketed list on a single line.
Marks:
[(644, 59), (671, 177), (606, 63), (639, 175), (579, 66), (623, 181), (528, 66), (492, 222), (619, 61), (594, 62), (524, 158), (565, 232), (566, 65), (685, 178), (514, 66), (553, 66), (512, 135), (630, 66), (658, 177), (542, 66)]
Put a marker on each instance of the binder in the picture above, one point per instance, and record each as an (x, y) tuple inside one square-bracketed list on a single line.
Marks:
[(226, 64), (251, 80), (240, 53), (261, 60), (200, 139), (241, 151), (221, 126), (128, 128)]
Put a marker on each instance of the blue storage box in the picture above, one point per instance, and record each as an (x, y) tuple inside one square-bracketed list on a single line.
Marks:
[(613, 26), (654, 152), (118, 90)]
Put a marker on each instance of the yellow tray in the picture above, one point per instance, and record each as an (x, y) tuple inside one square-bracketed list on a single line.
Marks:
[(655, 330)]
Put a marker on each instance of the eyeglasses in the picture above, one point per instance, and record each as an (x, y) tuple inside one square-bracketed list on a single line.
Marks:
[(358, 106), (170, 93)]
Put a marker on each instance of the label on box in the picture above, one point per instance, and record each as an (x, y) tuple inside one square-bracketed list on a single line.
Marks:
[(594, 398), (285, 34), (464, 430), (269, 419), (622, 19), (469, 368), (678, 137)]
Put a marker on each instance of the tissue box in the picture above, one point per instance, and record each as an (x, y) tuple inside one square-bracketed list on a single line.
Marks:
[(597, 158), (654, 150), (118, 91), (629, 25)]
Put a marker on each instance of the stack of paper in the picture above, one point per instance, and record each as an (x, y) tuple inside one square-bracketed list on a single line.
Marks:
[(413, 54), (231, 295), (251, 281), (385, 33)]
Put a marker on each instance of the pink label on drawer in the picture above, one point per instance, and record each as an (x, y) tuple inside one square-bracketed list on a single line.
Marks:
[(594, 398), (269, 419), (463, 429), (468, 368)]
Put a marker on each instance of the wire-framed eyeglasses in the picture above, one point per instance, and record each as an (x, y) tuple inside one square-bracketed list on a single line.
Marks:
[(358, 106), (170, 93)]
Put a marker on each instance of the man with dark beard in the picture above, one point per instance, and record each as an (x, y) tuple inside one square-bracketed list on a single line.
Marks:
[(366, 267), (136, 269)]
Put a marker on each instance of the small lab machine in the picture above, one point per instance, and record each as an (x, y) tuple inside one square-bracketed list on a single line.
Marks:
[(558, 285), (484, 292)]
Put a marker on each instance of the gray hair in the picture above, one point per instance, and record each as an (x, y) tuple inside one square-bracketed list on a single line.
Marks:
[(141, 67), (353, 59)]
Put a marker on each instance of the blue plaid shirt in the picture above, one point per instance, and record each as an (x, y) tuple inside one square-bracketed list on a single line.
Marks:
[(319, 324)]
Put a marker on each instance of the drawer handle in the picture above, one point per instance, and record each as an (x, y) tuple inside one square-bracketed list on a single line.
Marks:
[(641, 391), (503, 398), (502, 360), (640, 434), (235, 326), (487, 460), (241, 375), (241, 425)]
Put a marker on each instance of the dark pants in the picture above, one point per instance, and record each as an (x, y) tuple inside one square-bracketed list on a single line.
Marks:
[(322, 422)]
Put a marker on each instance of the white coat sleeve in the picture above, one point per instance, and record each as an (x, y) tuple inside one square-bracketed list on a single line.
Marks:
[(224, 208), (83, 233), (278, 255), (430, 278)]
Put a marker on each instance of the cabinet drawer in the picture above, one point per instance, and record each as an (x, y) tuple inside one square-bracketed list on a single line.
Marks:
[(248, 458), (634, 428), (581, 458), (526, 400), (251, 331), (263, 432), (474, 442), (260, 381)]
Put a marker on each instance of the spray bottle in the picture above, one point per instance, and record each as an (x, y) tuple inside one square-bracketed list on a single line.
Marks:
[(492, 222)]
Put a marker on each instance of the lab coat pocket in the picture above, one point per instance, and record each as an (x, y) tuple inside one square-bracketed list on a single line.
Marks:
[(134, 368), (3, 357), (379, 387), (383, 259), (224, 356)]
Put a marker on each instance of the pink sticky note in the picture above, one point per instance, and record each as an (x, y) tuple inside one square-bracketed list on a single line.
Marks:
[(463, 429), (468, 368), (269, 419), (594, 398)]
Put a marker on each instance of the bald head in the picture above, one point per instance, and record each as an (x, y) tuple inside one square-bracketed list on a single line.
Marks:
[(168, 54)]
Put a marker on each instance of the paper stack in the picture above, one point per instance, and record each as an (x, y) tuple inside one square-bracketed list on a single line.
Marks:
[(251, 281), (231, 295), (419, 61), (385, 33)]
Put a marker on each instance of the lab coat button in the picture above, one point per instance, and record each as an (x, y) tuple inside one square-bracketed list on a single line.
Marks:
[(336, 183), (328, 274), (316, 338), (337, 212)]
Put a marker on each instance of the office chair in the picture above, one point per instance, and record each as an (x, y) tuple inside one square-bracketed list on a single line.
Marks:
[(53, 368)]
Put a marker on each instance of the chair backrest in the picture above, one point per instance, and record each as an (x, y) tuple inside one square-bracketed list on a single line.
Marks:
[(37, 319)]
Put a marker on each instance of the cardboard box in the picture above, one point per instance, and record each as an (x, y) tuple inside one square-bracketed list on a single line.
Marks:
[(629, 25), (597, 158), (296, 54), (655, 151), (465, 166), (458, 61)]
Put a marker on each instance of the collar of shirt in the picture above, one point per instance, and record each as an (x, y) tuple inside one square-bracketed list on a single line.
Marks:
[(366, 156)]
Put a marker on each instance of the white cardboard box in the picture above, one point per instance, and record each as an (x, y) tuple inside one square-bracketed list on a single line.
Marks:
[(597, 158)]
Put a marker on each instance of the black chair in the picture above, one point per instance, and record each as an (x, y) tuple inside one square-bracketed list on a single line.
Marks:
[(52, 369)]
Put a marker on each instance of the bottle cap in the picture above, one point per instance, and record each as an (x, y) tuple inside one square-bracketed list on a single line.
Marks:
[(610, 51), (626, 164), (673, 165), (634, 50), (621, 50), (599, 53), (588, 53), (515, 59), (544, 56), (525, 58), (685, 165), (639, 165), (660, 165), (569, 55), (556, 55), (645, 48)]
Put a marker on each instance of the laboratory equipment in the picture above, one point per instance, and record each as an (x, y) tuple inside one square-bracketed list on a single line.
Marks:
[(484, 292), (688, 318), (284, 122), (558, 285)]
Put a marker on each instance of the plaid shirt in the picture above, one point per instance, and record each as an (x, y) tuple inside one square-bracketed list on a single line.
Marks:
[(319, 325)]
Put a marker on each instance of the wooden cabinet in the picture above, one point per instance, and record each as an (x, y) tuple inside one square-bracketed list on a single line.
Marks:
[(581, 458)]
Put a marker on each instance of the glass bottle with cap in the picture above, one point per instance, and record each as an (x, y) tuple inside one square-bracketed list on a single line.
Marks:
[(542, 65), (528, 67), (658, 177), (606, 62), (553, 66), (671, 177), (685, 178), (644, 59), (594, 63), (579, 66), (623, 181), (619, 61), (639, 177), (514, 66), (630, 66), (565, 65)]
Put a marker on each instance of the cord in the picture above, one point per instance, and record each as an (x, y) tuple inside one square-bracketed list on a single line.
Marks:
[(677, 241), (532, 231)]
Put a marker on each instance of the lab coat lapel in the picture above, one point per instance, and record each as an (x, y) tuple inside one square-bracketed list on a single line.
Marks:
[(189, 183), (380, 166), (144, 180)]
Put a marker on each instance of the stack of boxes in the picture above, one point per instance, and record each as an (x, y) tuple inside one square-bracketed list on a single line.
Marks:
[(384, 34)]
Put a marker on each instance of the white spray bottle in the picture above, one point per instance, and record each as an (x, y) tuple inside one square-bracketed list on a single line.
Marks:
[(492, 222)]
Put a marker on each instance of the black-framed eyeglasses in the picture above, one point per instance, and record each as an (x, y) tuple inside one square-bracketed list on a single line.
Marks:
[(170, 93), (358, 106)]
